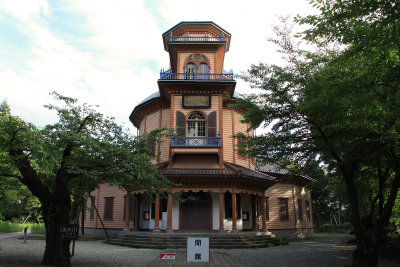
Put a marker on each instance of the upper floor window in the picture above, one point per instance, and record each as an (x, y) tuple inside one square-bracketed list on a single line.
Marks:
[(197, 66), (190, 68), (196, 124), (203, 68)]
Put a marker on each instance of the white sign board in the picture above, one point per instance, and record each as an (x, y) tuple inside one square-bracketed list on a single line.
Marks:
[(198, 249)]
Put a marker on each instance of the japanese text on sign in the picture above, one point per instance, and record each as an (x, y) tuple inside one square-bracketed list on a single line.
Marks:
[(198, 249)]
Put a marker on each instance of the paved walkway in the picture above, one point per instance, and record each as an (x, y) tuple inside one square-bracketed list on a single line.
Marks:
[(11, 235), (330, 250), (217, 258)]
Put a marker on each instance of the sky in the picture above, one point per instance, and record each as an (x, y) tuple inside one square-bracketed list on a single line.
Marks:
[(109, 53)]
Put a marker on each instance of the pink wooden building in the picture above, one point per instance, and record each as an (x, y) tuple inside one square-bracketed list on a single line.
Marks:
[(222, 190)]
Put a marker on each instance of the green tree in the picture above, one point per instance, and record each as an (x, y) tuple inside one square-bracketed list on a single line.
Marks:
[(17, 201), (339, 107), (65, 160)]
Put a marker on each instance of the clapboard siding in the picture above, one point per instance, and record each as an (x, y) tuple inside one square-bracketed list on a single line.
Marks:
[(292, 193), (152, 121), (227, 142), (100, 194), (164, 146)]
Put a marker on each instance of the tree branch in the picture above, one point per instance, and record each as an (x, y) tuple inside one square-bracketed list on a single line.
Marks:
[(11, 175), (83, 123)]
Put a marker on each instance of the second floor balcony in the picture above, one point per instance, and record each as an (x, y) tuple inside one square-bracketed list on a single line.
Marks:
[(196, 142), (168, 75)]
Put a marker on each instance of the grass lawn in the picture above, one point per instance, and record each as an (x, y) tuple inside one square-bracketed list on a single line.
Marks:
[(8, 227)]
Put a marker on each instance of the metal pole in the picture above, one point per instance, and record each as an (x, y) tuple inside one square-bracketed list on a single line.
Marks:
[(83, 220)]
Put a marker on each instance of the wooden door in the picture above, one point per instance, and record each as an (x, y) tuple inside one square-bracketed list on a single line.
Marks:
[(195, 215)]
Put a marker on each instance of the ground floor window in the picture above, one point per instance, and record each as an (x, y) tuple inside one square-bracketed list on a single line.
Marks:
[(108, 208), (300, 209), (91, 211), (308, 211), (283, 209)]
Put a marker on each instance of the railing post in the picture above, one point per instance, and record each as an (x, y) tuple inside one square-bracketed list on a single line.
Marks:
[(187, 39), (170, 36), (222, 36)]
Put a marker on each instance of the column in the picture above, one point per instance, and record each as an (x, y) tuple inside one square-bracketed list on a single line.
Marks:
[(169, 223), (234, 216), (253, 213), (221, 211), (136, 213), (157, 215), (264, 217), (127, 212)]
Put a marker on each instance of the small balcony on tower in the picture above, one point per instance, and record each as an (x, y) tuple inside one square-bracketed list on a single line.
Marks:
[(196, 38), (206, 76)]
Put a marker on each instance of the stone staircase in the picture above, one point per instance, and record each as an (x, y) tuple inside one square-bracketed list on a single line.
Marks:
[(178, 240)]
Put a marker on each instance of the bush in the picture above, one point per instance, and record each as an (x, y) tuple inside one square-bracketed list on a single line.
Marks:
[(38, 228), (333, 228)]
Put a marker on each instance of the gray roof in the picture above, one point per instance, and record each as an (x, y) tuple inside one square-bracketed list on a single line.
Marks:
[(150, 97), (272, 168), (230, 170)]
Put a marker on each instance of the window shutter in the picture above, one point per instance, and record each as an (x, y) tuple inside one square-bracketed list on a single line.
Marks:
[(180, 123), (212, 124)]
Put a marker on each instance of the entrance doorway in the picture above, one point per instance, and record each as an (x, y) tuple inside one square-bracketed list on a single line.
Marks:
[(195, 211)]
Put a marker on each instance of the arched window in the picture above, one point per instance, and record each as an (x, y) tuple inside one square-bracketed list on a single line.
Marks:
[(196, 124), (190, 68), (203, 68), (197, 67)]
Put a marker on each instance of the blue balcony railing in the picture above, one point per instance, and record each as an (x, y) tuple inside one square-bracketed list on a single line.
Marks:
[(166, 75), (188, 38), (196, 141)]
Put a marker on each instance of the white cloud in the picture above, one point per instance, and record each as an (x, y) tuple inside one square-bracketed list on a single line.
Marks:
[(25, 10)]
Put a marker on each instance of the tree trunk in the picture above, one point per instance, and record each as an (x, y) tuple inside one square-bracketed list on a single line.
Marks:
[(55, 213)]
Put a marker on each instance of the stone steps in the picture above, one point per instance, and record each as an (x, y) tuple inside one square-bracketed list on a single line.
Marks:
[(164, 241)]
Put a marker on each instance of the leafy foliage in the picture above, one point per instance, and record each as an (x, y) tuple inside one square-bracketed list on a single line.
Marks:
[(338, 108)]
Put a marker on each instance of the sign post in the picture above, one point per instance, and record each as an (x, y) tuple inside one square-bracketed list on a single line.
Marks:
[(68, 232), (198, 249)]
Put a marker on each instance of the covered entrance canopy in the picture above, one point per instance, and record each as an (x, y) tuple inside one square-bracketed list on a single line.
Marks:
[(200, 211)]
